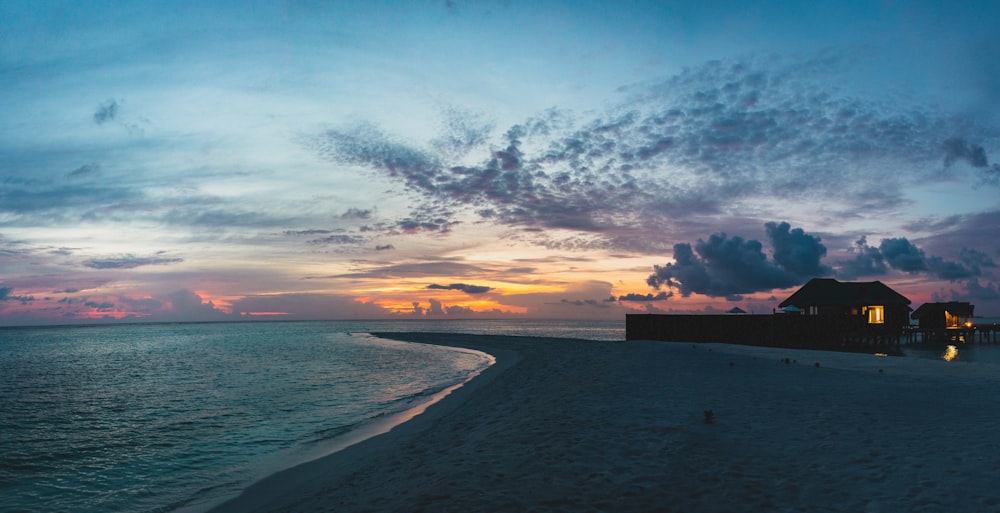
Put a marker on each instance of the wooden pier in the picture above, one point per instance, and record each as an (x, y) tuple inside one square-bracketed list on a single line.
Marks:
[(795, 331), (977, 333)]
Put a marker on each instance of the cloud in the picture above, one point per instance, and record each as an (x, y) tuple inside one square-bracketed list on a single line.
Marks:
[(357, 213), (797, 251), (6, 294), (645, 298), (25, 198), (585, 302), (339, 239), (311, 232), (959, 149), (129, 261), (468, 289), (188, 305), (106, 111), (709, 139), (101, 307), (721, 267), (435, 308), (728, 267), (988, 292), (85, 170), (902, 255), (462, 130), (384, 247), (867, 261)]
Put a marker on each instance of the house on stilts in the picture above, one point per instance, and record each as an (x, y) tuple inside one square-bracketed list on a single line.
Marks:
[(824, 313)]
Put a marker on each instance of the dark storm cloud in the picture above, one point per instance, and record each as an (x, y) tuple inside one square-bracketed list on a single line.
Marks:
[(728, 267), (699, 142), (468, 289), (129, 261), (902, 255), (721, 267), (867, 261), (106, 111), (797, 251)]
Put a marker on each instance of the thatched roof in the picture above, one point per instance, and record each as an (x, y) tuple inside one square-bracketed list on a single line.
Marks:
[(830, 292)]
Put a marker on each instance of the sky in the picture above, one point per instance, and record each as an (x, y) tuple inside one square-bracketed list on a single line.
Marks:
[(302, 159)]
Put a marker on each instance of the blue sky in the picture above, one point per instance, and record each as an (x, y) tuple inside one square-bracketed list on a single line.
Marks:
[(309, 159)]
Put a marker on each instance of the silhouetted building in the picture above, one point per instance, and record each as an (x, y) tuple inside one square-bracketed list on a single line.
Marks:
[(828, 314), (938, 317), (862, 306)]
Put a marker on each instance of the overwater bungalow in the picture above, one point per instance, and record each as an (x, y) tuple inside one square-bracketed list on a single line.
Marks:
[(870, 306), (944, 316)]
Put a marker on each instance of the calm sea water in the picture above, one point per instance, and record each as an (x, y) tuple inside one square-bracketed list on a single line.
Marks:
[(171, 417), (961, 353)]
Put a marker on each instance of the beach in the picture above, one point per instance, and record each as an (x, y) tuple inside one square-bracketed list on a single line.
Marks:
[(575, 425)]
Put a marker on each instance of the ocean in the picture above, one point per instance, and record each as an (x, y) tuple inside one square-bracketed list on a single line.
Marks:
[(174, 417)]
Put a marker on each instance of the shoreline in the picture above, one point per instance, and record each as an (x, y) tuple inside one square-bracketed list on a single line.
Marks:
[(259, 495), (573, 425)]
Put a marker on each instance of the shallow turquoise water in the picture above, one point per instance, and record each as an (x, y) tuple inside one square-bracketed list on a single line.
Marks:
[(167, 417)]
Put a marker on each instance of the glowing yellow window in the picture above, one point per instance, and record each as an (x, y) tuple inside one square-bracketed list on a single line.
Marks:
[(876, 315), (951, 321)]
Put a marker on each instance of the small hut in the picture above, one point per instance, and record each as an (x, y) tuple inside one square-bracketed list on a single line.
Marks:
[(939, 317)]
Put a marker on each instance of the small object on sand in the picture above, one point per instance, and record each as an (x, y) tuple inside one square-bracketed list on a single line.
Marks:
[(817, 365), (709, 417)]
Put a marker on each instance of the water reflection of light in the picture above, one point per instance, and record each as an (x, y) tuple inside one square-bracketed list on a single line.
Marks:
[(950, 353)]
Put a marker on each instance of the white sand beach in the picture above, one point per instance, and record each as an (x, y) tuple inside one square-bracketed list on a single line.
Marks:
[(570, 425)]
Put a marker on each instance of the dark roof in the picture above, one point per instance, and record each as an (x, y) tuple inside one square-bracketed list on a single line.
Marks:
[(830, 292), (959, 308)]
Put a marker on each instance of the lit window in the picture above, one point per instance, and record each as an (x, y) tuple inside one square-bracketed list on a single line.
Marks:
[(876, 315), (951, 321)]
